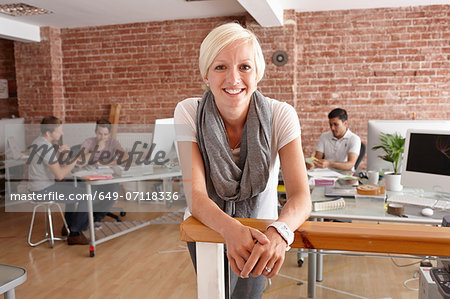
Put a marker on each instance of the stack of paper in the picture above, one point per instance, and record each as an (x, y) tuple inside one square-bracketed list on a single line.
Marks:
[(330, 204)]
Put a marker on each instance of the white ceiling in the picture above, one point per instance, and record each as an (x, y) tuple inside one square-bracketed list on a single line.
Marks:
[(82, 13)]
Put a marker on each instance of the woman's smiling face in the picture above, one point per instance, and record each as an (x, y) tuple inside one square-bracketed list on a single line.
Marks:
[(232, 75)]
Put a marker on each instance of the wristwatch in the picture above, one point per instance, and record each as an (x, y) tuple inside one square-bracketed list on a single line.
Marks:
[(285, 232)]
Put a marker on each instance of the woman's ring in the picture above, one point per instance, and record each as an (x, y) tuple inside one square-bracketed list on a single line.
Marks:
[(268, 269)]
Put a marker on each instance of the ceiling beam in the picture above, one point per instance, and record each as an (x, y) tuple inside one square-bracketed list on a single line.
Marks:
[(10, 29), (268, 13)]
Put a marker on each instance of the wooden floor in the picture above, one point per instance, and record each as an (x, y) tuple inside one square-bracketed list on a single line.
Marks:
[(153, 263)]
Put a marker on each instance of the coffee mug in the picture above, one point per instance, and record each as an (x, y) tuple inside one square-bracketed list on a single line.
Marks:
[(373, 176)]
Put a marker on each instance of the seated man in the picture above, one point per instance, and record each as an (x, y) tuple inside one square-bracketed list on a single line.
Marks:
[(338, 148), (44, 168)]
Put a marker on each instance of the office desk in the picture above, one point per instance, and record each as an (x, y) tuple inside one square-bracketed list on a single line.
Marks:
[(363, 209), (160, 173), (6, 166)]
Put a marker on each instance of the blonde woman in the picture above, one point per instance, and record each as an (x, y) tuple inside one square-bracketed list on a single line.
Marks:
[(236, 140)]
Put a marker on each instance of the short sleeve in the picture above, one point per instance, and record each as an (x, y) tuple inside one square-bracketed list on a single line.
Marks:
[(286, 125), (355, 144), (45, 152), (115, 144), (87, 145), (184, 119)]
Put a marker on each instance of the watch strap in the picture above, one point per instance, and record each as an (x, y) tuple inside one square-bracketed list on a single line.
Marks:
[(285, 232)]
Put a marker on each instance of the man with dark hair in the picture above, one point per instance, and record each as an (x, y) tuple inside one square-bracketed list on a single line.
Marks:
[(338, 148), (44, 168), (103, 123)]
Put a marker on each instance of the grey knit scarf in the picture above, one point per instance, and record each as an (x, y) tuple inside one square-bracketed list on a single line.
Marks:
[(235, 187)]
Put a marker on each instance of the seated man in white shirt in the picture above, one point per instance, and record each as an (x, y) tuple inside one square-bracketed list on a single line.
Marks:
[(338, 148)]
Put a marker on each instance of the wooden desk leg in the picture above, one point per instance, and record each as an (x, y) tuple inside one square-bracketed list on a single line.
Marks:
[(210, 271), (91, 221)]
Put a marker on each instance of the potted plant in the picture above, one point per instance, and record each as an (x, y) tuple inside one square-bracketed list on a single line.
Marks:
[(393, 146)]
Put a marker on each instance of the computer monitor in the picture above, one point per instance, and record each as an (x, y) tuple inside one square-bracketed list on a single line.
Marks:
[(163, 137), (376, 127), (12, 127), (426, 160)]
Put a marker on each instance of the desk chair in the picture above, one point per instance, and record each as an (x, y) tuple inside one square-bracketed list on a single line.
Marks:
[(362, 152), (49, 235), (114, 216)]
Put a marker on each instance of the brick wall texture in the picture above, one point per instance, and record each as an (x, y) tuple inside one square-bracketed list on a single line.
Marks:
[(39, 77), (376, 63)]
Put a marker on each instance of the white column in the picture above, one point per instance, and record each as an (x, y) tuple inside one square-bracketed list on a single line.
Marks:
[(210, 271)]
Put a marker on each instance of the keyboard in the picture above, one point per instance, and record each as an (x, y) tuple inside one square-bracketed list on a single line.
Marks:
[(409, 199)]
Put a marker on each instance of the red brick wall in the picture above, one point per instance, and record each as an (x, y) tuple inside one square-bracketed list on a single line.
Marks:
[(39, 77), (149, 67), (377, 64), (279, 82), (8, 106), (146, 67)]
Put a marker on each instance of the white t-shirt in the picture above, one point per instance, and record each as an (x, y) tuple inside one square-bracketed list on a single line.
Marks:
[(39, 174), (285, 128), (336, 150)]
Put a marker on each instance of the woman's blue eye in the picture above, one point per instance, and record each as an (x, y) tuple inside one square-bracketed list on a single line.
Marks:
[(219, 67), (245, 67)]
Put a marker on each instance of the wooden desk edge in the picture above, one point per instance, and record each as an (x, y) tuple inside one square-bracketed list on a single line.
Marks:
[(382, 238)]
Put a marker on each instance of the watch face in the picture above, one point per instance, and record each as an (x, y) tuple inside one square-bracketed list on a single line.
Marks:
[(284, 231)]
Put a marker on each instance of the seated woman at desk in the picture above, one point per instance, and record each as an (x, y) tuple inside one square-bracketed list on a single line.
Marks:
[(103, 149)]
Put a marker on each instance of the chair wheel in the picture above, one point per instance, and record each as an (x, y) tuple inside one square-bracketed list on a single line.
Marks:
[(300, 262), (123, 214), (91, 254)]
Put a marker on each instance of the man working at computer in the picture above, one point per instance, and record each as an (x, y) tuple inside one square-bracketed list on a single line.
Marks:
[(338, 148)]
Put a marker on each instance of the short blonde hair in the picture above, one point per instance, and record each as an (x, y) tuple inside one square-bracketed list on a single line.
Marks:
[(224, 35)]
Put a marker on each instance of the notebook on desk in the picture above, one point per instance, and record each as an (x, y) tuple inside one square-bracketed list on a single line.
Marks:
[(334, 191)]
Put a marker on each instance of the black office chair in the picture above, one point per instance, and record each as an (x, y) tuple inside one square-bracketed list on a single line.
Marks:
[(362, 152)]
